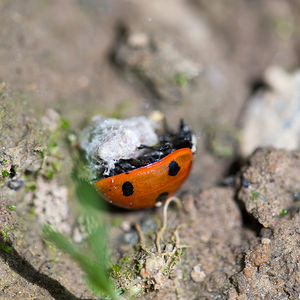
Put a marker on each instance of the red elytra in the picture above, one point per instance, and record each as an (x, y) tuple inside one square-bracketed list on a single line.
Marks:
[(144, 187)]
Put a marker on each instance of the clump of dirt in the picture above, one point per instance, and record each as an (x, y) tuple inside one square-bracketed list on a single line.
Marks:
[(154, 61), (272, 264), (270, 184), (30, 158), (21, 142), (270, 188)]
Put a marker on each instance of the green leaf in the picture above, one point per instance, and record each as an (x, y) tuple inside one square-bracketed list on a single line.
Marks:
[(11, 207), (31, 187), (180, 79), (5, 173), (255, 195), (95, 270), (283, 212), (65, 124), (5, 248)]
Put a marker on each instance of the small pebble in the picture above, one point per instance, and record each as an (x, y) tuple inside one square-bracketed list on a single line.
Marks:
[(126, 226), (265, 241), (15, 184), (197, 274), (138, 40)]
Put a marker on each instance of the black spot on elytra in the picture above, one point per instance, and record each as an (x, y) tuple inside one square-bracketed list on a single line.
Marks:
[(173, 168), (162, 197), (127, 188)]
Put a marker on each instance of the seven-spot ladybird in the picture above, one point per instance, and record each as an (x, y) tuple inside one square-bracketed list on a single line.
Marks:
[(153, 176), (146, 186)]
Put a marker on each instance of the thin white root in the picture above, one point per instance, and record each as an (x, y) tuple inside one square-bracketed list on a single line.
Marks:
[(141, 236), (165, 220), (177, 240)]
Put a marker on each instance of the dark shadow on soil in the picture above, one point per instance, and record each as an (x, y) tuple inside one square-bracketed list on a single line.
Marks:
[(232, 174), (21, 266), (248, 220), (257, 85)]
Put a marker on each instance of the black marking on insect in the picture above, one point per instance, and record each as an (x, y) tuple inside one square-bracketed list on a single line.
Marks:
[(173, 168), (127, 188)]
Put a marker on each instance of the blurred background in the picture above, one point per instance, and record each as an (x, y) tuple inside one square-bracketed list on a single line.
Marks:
[(197, 60)]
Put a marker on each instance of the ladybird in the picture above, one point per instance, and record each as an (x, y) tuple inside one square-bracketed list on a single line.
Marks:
[(149, 185), (150, 179)]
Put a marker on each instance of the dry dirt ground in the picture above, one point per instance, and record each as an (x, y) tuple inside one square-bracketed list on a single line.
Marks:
[(63, 61)]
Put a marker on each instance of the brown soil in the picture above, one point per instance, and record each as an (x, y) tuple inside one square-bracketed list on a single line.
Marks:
[(65, 61)]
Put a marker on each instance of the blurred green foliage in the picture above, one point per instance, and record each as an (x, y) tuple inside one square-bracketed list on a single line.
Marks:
[(92, 254)]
